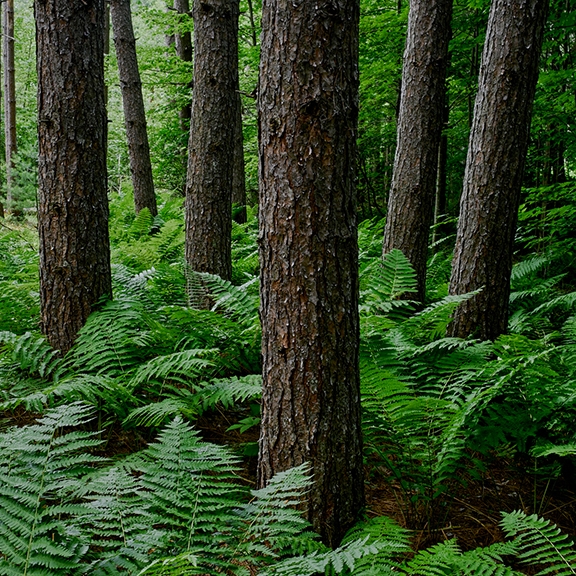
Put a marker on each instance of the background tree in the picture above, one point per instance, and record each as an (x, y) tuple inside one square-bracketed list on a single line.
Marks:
[(9, 100), (495, 165), (238, 170), (183, 44), (72, 201), (211, 146), (133, 104), (412, 195), (308, 253)]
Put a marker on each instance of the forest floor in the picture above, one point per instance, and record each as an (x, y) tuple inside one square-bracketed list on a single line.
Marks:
[(469, 512)]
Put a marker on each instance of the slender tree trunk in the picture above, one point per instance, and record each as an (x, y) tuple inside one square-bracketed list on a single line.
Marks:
[(211, 145), (1, 204), (9, 102), (411, 200), (308, 102), (494, 166), (183, 42), (239, 173), (133, 104), (252, 23), (72, 200), (441, 175)]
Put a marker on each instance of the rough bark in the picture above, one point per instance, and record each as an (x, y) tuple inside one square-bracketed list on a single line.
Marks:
[(133, 105), (211, 145), (72, 201), (411, 200), (9, 100), (308, 251), (238, 169), (494, 166)]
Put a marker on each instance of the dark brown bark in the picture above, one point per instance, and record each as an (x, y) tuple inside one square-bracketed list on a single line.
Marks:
[(411, 200), (211, 145), (308, 105), (183, 42), (72, 202), (9, 101), (238, 170), (133, 104), (494, 166)]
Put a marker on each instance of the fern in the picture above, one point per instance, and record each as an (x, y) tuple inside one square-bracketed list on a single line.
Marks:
[(41, 468), (540, 542)]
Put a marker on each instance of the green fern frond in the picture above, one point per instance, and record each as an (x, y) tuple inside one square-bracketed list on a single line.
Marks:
[(540, 543), (31, 353), (117, 524), (527, 267), (386, 280), (41, 468), (191, 490), (230, 391), (114, 340), (157, 413)]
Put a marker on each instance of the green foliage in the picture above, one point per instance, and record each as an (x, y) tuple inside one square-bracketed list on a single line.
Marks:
[(40, 470)]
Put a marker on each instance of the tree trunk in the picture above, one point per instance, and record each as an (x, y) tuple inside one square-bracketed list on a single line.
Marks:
[(133, 104), (72, 202), (9, 103), (211, 145), (411, 200), (494, 166), (183, 41), (238, 170), (308, 102)]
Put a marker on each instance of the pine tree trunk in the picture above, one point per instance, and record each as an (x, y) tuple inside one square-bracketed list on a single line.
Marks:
[(411, 200), (238, 170), (308, 104), (133, 104), (183, 42), (72, 202), (211, 145), (9, 103), (495, 165)]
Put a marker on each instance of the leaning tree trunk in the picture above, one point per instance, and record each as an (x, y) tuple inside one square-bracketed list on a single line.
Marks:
[(412, 195), (211, 145), (133, 104), (72, 201), (308, 104), (9, 102), (494, 166)]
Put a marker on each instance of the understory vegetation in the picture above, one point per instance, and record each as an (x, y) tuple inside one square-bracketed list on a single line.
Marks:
[(108, 464)]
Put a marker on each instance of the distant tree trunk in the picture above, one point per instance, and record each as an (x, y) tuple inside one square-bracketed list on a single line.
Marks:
[(9, 102), (183, 41), (308, 102), (239, 173), (211, 145), (494, 166), (72, 202), (252, 23), (133, 104), (411, 200), (440, 203), (1, 204)]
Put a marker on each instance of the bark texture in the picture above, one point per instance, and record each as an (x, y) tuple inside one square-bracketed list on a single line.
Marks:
[(308, 105), (211, 145), (72, 203), (494, 166), (133, 105), (9, 99), (412, 194)]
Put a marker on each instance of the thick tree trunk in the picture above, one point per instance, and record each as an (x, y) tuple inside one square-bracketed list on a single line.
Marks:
[(238, 170), (133, 104), (211, 145), (9, 102), (308, 104), (72, 203), (411, 200), (494, 166)]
